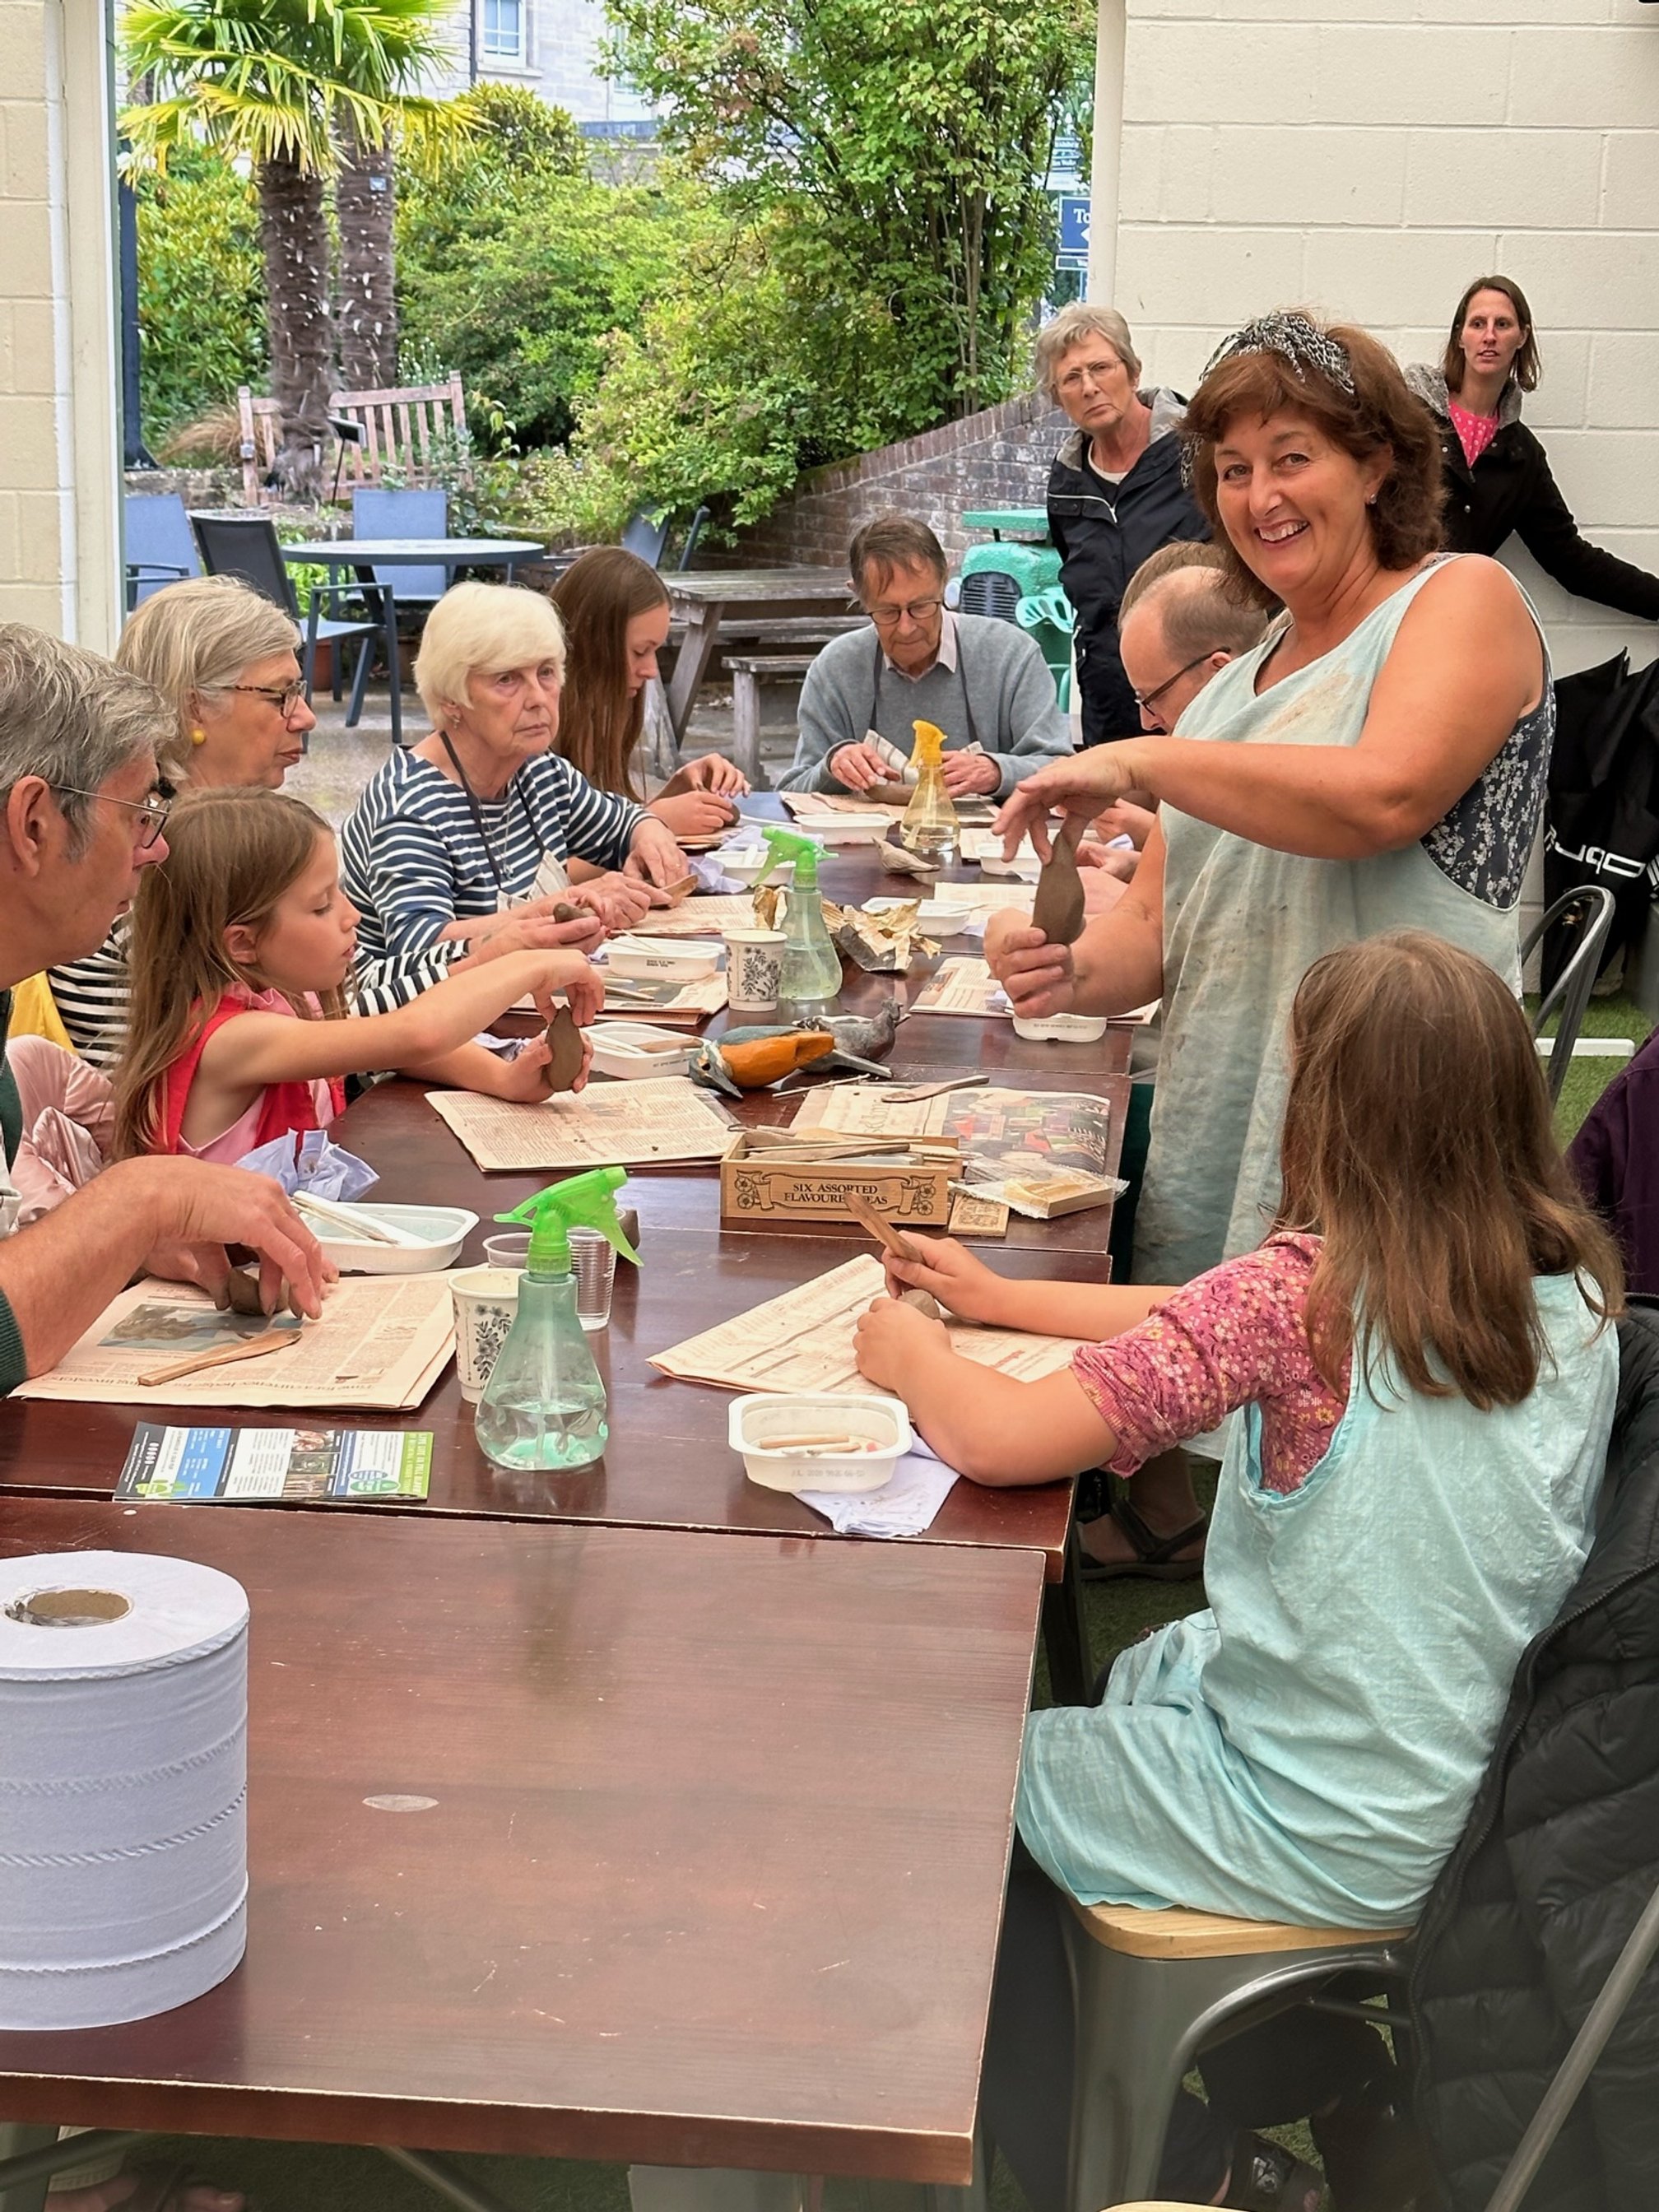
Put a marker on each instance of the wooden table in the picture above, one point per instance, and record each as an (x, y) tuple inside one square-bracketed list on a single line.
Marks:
[(703, 598), (711, 1876), (667, 1463)]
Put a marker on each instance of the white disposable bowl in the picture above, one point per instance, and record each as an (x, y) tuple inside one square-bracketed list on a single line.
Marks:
[(844, 828), (744, 863), (677, 960), (1067, 1029), (771, 1414), (442, 1231), (621, 1049)]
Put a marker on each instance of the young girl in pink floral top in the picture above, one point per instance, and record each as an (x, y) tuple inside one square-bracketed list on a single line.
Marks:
[(1424, 1382)]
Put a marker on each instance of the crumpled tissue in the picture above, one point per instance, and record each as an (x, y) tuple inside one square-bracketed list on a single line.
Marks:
[(310, 1162), (906, 1504), (710, 876)]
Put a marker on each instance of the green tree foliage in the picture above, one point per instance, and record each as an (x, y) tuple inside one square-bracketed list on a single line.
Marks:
[(201, 304), (729, 387), (515, 264), (889, 138)]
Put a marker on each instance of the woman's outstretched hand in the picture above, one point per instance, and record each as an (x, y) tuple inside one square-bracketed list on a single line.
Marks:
[(1039, 977), (1079, 787)]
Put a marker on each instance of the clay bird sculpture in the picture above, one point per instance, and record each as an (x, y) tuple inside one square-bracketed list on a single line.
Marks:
[(748, 1058)]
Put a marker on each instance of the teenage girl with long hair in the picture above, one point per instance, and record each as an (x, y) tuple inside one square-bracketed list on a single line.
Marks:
[(1420, 1361), (614, 607), (240, 1030)]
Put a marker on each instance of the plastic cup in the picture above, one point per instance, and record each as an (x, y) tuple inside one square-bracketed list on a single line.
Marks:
[(486, 1301), (509, 1249), (754, 969), (593, 1261)]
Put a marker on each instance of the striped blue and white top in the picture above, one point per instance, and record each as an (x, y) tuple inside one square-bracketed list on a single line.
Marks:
[(412, 860)]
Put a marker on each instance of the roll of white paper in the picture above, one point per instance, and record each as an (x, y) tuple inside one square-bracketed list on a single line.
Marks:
[(123, 1786)]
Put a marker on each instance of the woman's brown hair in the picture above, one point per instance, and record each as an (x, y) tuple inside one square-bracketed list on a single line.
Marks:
[(599, 724), (1381, 415), (1526, 368), (1418, 1144), (231, 855)]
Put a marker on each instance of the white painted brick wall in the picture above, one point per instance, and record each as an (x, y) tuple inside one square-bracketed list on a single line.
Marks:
[(1369, 162)]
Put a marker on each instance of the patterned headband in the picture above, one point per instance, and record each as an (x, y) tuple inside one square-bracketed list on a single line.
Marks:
[(1301, 342), (1298, 341)]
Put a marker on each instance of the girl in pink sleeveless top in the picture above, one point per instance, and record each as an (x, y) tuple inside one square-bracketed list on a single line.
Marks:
[(242, 945)]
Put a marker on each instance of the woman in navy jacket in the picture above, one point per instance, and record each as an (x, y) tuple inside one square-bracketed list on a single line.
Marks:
[(1497, 474)]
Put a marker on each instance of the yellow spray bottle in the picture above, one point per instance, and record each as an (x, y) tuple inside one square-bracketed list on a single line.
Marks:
[(930, 828), (543, 1404)]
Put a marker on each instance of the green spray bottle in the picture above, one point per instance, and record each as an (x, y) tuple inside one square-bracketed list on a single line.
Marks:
[(811, 982), (543, 1404)]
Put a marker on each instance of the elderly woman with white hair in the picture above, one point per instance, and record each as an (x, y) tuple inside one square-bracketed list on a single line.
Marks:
[(483, 818), (1115, 493)]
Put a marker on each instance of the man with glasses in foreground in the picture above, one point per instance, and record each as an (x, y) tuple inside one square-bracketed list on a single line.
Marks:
[(983, 681), (79, 817)]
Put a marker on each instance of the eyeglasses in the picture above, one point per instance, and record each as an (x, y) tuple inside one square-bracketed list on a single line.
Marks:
[(152, 812), (1147, 701), (918, 610), (1093, 372), (284, 699)]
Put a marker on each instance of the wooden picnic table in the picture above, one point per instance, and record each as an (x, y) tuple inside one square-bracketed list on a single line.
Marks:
[(704, 599), (589, 1842)]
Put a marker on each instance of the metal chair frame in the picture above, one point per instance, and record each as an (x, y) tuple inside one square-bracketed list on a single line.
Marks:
[(258, 562), (1569, 993)]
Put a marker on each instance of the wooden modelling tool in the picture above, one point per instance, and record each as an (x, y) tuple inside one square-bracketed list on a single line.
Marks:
[(1057, 909), (896, 1241), (564, 1045), (251, 1347)]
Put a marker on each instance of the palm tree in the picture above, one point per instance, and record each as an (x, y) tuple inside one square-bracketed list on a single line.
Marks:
[(284, 83)]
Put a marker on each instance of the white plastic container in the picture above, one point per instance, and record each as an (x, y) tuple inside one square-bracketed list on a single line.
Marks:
[(761, 1425), (743, 864), (430, 1237), (630, 1050), (844, 828), (933, 916), (680, 960), (1061, 1029)]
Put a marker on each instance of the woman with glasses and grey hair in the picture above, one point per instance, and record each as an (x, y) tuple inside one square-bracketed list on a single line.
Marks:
[(1115, 493), (226, 661)]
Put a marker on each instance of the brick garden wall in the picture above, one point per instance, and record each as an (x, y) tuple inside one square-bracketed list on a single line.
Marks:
[(998, 458)]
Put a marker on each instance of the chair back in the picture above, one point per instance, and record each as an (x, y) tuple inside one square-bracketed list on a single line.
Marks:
[(645, 535), (1591, 908), (261, 423), (693, 533), (424, 514), (413, 428), (246, 545), (160, 550)]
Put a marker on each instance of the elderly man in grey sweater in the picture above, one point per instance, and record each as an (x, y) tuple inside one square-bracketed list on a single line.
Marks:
[(983, 683)]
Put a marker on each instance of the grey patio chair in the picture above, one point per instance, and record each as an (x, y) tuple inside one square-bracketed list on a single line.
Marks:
[(415, 513), (1588, 911), (647, 531), (246, 545), (160, 550)]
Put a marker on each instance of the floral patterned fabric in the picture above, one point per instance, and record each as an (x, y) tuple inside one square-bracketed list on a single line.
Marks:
[(1233, 1336)]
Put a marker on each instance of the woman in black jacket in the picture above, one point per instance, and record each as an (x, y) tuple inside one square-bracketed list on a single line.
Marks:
[(1497, 474)]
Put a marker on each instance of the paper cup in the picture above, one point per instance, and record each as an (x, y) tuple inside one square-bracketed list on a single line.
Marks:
[(486, 1300), (754, 969)]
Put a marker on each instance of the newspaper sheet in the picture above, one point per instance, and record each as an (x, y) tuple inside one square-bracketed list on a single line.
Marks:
[(382, 1342), (803, 803), (608, 1125), (803, 1341), (963, 986), (708, 915), (1043, 1153), (1016, 1132)]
